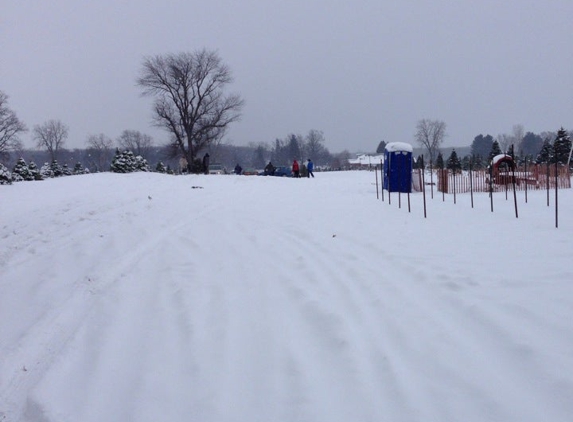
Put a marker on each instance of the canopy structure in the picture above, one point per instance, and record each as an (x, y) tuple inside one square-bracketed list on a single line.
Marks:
[(398, 167)]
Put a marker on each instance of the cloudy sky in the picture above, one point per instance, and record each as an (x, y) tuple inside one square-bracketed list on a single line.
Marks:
[(361, 71)]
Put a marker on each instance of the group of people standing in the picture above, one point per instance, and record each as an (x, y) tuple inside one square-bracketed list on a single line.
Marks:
[(270, 169), (309, 168)]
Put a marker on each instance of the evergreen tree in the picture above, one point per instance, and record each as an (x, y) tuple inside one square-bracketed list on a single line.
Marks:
[(440, 161), (46, 171), (495, 150), (79, 169), (531, 144), (141, 164), (482, 145), (20, 172), (562, 146), (160, 168), (122, 162), (546, 154), (34, 171), (478, 162), (454, 164), (294, 147), (126, 162), (466, 162), (5, 176), (57, 170), (66, 170), (259, 157)]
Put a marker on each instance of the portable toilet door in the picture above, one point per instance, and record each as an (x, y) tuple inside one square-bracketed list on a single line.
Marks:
[(398, 167)]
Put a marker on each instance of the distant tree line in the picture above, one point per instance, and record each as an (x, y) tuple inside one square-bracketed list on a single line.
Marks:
[(546, 147)]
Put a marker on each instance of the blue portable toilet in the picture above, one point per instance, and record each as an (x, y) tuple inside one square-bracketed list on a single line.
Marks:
[(398, 167)]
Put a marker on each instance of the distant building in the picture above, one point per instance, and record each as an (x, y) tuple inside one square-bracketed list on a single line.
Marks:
[(366, 161)]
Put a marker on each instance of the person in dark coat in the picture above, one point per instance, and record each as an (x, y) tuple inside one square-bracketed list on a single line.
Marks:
[(309, 168), (238, 169), (270, 169), (295, 169), (206, 163)]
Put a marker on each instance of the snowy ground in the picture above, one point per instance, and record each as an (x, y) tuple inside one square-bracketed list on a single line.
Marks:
[(140, 298)]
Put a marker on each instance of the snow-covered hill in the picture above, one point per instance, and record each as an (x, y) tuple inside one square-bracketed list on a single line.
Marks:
[(146, 297)]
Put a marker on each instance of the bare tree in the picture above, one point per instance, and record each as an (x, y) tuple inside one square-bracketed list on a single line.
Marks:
[(314, 147), (504, 140), (10, 127), (136, 142), (517, 138), (430, 134), (189, 99), (52, 136), (100, 152)]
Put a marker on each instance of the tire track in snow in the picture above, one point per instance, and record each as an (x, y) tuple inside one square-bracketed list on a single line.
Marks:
[(49, 343)]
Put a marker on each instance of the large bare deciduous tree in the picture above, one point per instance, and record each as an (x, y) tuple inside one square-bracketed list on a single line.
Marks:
[(51, 136), (136, 142), (100, 152), (190, 102), (430, 134), (10, 127)]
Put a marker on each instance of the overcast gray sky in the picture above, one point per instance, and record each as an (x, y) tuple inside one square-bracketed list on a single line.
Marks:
[(361, 71)]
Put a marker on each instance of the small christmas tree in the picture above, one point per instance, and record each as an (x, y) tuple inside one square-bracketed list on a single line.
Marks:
[(440, 161), (160, 168), (562, 146), (79, 169), (46, 171), (495, 150), (546, 154), (57, 170), (66, 170), (141, 164), (34, 171), (20, 172), (454, 164), (5, 176), (122, 162)]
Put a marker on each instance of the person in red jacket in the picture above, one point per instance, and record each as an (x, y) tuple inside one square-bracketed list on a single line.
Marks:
[(295, 169)]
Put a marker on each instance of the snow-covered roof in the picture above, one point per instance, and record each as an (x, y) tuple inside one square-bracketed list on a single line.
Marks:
[(499, 157), (366, 159), (399, 146)]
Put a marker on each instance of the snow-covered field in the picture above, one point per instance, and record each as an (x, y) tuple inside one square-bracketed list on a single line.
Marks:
[(141, 298)]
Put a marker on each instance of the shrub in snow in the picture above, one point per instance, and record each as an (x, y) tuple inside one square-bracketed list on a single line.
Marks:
[(79, 169), (34, 171), (66, 170), (141, 164), (57, 170), (20, 172), (126, 162), (5, 176), (160, 168), (46, 171)]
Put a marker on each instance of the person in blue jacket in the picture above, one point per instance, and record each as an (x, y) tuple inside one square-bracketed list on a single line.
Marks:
[(309, 168)]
